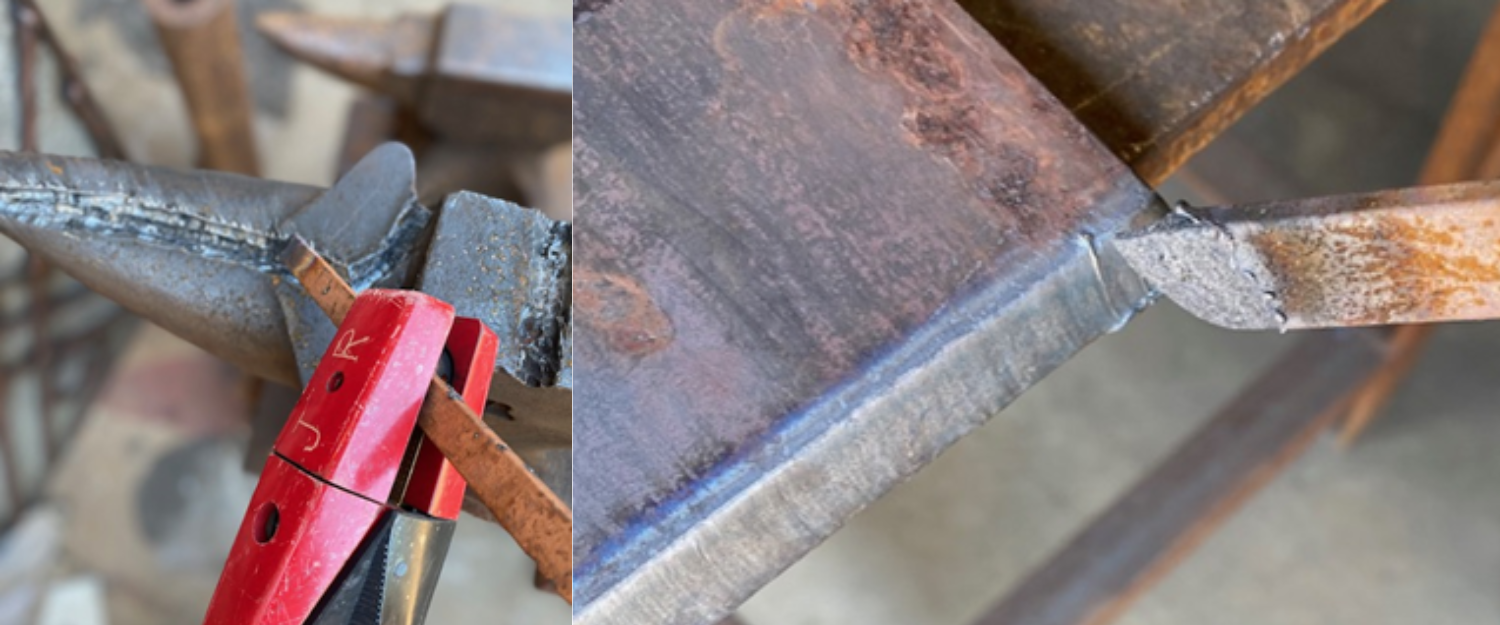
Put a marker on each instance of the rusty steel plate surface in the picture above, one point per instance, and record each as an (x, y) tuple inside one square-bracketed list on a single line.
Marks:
[(821, 241)]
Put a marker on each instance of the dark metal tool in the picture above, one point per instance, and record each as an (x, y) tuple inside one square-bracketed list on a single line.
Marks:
[(1417, 255), (197, 253)]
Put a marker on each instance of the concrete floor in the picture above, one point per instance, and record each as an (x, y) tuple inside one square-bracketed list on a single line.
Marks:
[(1402, 528)]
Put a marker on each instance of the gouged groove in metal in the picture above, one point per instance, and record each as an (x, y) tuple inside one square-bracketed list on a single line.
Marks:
[(398, 244), (549, 300), (130, 217), (171, 226)]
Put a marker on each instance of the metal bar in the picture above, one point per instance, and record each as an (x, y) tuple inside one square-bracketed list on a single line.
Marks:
[(471, 73), (1415, 255), (27, 21), (202, 40), (1073, 595), (1465, 150), (38, 275), (23, 22), (75, 91), (857, 288), (1179, 504), (1157, 81), (1406, 346)]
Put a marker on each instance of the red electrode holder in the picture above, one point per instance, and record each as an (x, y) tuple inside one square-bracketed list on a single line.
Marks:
[(325, 539)]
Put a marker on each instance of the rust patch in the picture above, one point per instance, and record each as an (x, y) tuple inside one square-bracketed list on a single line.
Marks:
[(905, 40), (1388, 268), (621, 312), (949, 127), (1007, 180), (901, 38), (1001, 173)]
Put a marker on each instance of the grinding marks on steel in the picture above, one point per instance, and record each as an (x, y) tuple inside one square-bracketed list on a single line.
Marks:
[(1403, 256)]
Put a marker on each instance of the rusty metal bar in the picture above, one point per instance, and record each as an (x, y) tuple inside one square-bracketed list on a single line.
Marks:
[(75, 91), (202, 40), (1415, 255), (1169, 513), (26, 23), (1406, 345), (1465, 149), (1070, 589)]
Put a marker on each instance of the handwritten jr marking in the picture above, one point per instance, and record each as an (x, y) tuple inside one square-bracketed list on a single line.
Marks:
[(317, 435), (344, 346)]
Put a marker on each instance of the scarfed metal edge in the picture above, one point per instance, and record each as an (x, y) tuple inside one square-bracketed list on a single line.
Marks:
[(796, 486)]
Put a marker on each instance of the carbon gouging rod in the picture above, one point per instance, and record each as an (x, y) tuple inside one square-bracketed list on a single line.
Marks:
[(1416, 255), (540, 522)]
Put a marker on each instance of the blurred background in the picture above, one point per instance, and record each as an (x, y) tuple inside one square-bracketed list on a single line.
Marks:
[(122, 448), (1401, 527)]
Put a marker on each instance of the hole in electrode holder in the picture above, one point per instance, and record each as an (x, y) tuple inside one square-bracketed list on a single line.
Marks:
[(336, 381), (267, 519), (445, 366)]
